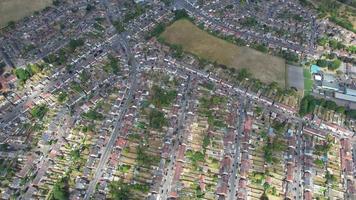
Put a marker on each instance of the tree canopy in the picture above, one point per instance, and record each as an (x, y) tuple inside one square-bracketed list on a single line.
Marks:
[(61, 189), (39, 111)]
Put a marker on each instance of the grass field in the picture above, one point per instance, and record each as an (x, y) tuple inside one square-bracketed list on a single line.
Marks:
[(308, 82), (13, 10), (265, 67)]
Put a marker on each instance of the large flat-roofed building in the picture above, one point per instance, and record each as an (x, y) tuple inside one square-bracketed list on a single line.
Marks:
[(329, 77), (346, 97), (350, 91), (330, 85)]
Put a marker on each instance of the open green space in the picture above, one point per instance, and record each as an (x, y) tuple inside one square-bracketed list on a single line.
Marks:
[(265, 67), (14, 10), (308, 82)]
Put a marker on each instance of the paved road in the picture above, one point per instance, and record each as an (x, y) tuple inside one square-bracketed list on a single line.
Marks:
[(168, 178), (299, 164), (106, 152), (62, 128), (234, 177), (54, 85)]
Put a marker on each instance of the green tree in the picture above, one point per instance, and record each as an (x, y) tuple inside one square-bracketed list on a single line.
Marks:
[(322, 63), (181, 14), (75, 43), (61, 189), (352, 49), (39, 111), (11, 24), (161, 97), (340, 109), (22, 74), (158, 30), (62, 97), (335, 64), (156, 119), (243, 74), (84, 76), (331, 105), (351, 114)]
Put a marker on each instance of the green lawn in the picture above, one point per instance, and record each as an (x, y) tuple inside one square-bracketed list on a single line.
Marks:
[(308, 82)]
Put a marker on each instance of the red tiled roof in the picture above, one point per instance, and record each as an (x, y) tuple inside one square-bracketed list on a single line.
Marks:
[(311, 131), (248, 124), (178, 171), (29, 104), (53, 153), (181, 151), (226, 162), (244, 168), (202, 182), (46, 95), (173, 194), (242, 183), (290, 172), (222, 190), (308, 195), (121, 142)]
